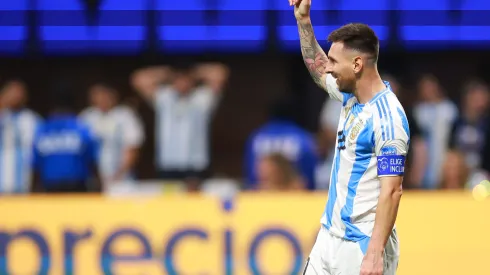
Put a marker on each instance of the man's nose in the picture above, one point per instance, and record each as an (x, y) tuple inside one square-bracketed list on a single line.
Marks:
[(329, 67)]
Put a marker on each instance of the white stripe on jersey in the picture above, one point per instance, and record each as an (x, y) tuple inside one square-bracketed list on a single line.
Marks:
[(16, 135), (364, 132), (116, 130)]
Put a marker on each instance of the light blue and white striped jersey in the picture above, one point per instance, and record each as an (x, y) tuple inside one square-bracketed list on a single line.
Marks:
[(17, 130), (372, 142), (116, 130)]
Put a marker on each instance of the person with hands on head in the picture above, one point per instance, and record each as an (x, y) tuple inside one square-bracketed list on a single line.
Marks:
[(184, 100)]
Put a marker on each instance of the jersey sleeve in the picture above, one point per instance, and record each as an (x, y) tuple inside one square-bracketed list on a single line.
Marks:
[(334, 92), (391, 140)]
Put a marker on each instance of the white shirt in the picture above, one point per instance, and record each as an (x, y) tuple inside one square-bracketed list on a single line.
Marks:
[(17, 131), (436, 121), (372, 143), (182, 128), (117, 130)]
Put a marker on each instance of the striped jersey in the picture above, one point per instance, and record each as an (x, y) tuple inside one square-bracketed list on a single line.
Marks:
[(17, 130), (372, 142), (116, 131)]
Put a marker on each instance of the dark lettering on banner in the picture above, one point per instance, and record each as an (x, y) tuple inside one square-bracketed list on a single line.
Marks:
[(172, 243), (108, 258), (6, 239), (275, 232), (71, 238)]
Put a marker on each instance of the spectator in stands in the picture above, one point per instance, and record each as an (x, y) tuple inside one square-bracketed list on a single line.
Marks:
[(435, 114), (281, 135), (471, 130), (329, 119), (277, 173), (17, 127), (417, 159), (119, 131), (184, 101), (65, 152), (455, 171)]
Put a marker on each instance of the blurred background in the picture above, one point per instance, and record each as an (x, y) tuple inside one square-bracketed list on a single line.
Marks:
[(198, 118)]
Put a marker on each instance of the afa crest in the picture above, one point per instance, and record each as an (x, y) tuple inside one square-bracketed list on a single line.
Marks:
[(355, 131)]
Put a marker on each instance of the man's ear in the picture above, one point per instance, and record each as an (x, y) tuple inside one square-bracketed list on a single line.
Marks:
[(357, 64)]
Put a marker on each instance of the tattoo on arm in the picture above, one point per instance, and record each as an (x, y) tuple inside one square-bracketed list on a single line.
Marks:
[(314, 57)]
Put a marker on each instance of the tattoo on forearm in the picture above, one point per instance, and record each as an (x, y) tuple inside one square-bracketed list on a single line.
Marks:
[(314, 57)]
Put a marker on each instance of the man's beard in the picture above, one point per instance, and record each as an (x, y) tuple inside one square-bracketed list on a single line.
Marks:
[(347, 87)]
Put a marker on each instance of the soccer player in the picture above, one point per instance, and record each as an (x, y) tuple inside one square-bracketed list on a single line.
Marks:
[(358, 234)]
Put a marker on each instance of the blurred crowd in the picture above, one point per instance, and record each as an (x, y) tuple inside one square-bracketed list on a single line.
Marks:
[(99, 147)]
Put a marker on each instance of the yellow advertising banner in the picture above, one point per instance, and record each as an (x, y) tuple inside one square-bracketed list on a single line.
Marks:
[(440, 233)]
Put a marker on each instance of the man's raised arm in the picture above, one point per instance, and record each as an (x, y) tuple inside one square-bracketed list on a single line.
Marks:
[(313, 55)]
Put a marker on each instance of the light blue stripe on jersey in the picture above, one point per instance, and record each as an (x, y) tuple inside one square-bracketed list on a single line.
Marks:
[(375, 98), (385, 117), (332, 192), (391, 117), (380, 118), (19, 158), (363, 157)]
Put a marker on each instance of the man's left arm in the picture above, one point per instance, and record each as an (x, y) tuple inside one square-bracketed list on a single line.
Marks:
[(391, 151), (386, 212)]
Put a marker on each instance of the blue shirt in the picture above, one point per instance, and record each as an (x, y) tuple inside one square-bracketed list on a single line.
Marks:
[(64, 150), (287, 139)]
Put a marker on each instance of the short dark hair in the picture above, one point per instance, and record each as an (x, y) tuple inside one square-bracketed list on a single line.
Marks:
[(107, 85), (357, 36)]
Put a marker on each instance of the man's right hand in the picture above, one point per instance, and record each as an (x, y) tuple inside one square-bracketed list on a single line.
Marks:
[(301, 9)]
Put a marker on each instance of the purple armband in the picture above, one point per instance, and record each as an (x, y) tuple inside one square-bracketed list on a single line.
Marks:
[(391, 165)]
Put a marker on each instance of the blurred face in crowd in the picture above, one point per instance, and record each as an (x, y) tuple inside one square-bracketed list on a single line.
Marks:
[(14, 95), (103, 97), (342, 65), (269, 177), (275, 173), (455, 171), (477, 99), (429, 89), (183, 82)]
